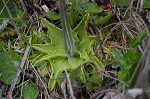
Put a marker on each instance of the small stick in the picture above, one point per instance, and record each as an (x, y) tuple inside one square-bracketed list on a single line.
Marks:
[(69, 84), (18, 72)]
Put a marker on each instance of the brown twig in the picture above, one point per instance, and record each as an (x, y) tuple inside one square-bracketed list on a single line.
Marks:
[(38, 76)]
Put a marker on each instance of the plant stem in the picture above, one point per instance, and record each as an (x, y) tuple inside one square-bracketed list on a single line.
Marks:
[(68, 38)]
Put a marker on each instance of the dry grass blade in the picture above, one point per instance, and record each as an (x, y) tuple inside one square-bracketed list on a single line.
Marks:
[(144, 74), (18, 72), (38, 76), (63, 87), (3, 7), (70, 86)]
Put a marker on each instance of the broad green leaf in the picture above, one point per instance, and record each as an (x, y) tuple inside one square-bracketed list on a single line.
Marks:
[(75, 62), (56, 46), (78, 63), (115, 65), (127, 63), (117, 54), (43, 67), (138, 39), (146, 4), (120, 86), (30, 90), (91, 8), (132, 58), (36, 57), (58, 66), (53, 16), (101, 20), (122, 2), (55, 33), (86, 43), (78, 74), (124, 75), (93, 76), (50, 48), (9, 63)]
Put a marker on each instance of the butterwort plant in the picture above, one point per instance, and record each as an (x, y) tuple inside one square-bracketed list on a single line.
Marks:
[(62, 53)]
